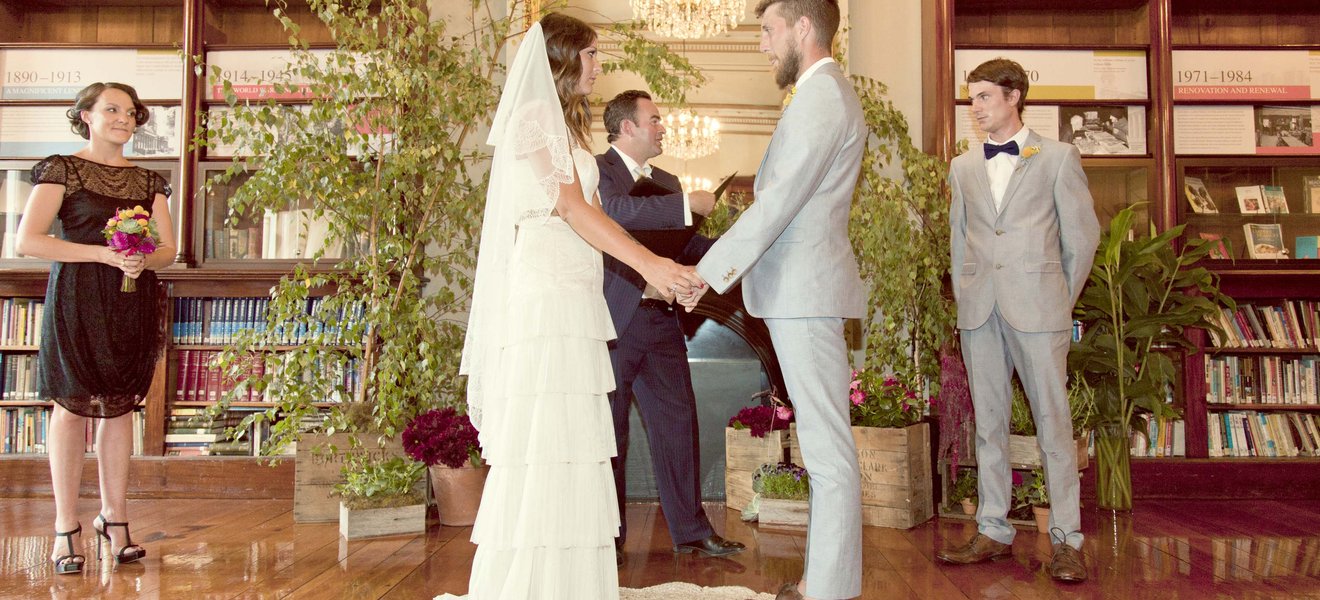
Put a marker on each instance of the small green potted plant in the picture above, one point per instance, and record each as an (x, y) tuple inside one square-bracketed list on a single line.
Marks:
[(1031, 492), (380, 497), (964, 491), (783, 489), (446, 443)]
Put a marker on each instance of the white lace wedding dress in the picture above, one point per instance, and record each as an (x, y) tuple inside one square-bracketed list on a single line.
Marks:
[(548, 516)]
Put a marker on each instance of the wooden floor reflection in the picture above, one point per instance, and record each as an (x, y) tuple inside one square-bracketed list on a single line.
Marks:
[(227, 549)]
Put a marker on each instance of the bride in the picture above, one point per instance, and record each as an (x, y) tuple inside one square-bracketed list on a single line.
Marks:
[(535, 355)]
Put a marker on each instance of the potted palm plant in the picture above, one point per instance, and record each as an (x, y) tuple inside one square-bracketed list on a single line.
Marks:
[(446, 442), (1144, 292)]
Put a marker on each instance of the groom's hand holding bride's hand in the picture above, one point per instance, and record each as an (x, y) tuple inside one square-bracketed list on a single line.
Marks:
[(690, 299), (670, 278)]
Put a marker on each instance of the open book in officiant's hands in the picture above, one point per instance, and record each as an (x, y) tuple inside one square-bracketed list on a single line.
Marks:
[(645, 186)]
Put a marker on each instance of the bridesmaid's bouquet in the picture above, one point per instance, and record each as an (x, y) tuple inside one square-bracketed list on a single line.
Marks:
[(131, 231)]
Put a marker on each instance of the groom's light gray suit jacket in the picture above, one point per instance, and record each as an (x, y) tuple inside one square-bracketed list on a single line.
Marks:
[(791, 245), (1032, 257)]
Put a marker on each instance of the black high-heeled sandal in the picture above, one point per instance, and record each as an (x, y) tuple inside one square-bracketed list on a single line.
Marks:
[(129, 553), (72, 562)]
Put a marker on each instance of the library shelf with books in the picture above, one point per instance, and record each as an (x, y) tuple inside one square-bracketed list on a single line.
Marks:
[(1197, 55), (49, 50)]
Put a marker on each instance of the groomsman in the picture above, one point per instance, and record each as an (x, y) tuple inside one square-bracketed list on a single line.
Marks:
[(650, 354), (791, 250), (1024, 234)]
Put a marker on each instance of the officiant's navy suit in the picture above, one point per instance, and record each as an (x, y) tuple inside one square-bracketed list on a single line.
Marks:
[(650, 354)]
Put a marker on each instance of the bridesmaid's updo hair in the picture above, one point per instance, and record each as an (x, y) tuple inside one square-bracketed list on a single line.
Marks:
[(86, 99), (565, 37)]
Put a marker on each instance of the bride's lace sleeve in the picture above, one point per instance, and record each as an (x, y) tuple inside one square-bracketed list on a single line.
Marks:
[(539, 141)]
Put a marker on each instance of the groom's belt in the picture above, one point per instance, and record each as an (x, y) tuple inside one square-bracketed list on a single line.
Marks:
[(656, 304)]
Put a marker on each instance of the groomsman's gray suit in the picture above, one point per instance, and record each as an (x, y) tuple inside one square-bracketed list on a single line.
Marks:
[(1018, 273), (791, 249)]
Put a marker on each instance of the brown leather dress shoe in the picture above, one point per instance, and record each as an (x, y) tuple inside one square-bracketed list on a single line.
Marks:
[(713, 545), (789, 591), (979, 549), (1066, 564)]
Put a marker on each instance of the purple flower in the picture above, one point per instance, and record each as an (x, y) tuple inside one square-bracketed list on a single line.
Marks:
[(121, 241), (441, 436)]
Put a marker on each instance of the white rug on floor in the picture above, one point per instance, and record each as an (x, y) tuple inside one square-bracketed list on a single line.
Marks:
[(675, 591), (688, 591)]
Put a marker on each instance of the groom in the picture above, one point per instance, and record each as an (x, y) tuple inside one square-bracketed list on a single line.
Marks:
[(650, 354), (791, 249)]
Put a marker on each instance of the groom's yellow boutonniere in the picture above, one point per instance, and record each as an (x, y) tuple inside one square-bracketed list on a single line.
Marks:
[(1030, 151), (789, 98)]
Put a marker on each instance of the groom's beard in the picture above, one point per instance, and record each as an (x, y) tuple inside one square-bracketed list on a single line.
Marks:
[(787, 72)]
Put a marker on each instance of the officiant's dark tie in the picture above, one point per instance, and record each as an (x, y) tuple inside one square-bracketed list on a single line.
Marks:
[(992, 149)]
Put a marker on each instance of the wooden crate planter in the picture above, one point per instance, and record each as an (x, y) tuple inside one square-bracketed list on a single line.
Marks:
[(317, 472), (743, 455), (361, 523), (897, 485), (781, 514), (1024, 452), (897, 488)]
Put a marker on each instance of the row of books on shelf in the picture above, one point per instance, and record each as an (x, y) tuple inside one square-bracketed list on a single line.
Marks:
[(1292, 324), (191, 432), (198, 377), (1254, 199), (1270, 434), (20, 323), (1158, 438), (222, 320), (1262, 379), (20, 376), (23, 430)]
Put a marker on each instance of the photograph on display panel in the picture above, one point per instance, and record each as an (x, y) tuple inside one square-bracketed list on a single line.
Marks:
[(1283, 126), (1104, 130)]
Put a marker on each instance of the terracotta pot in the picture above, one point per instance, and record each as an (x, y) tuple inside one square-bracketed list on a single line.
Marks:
[(968, 506), (458, 493), (1042, 514)]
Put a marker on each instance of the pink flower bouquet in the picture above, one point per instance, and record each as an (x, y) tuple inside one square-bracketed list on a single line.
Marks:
[(131, 231)]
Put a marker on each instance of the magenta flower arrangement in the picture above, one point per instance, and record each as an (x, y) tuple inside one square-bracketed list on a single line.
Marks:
[(885, 402), (131, 231), (762, 419), (442, 436)]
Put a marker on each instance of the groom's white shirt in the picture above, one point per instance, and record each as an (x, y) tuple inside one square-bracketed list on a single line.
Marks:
[(790, 247)]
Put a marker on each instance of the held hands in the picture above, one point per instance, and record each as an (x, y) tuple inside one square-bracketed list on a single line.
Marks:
[(132, 266), (671, 278), (690, 300)]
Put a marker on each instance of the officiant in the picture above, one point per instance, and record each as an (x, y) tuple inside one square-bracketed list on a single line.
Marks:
[(650, 354)]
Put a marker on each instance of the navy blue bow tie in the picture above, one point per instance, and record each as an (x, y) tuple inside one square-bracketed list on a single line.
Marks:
[(992, 149)]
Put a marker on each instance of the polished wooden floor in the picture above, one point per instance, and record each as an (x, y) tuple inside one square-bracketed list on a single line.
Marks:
[(251, 549)]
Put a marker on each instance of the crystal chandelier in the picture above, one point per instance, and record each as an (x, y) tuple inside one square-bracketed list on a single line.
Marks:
[(691, 183), (690, 19), (689, 136)]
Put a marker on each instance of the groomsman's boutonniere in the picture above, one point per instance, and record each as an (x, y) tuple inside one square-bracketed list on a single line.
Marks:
[(1030, 151), (789, 98)]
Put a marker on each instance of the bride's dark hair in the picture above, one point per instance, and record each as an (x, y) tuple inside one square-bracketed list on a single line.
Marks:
[(565, 37)]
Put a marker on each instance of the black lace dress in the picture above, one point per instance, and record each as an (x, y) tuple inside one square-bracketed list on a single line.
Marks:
[(99, 345)]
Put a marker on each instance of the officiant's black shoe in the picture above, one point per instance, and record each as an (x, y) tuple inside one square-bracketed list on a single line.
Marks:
[(789, 591), (712, 545)]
